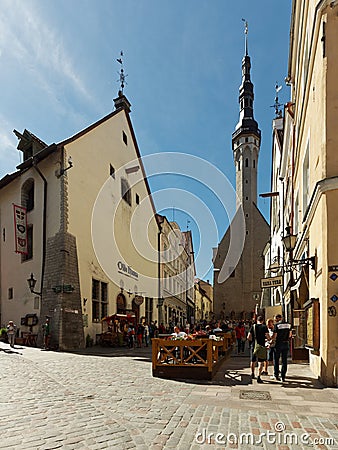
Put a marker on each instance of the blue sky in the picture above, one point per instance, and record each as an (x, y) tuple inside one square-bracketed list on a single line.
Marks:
[(183, 59)]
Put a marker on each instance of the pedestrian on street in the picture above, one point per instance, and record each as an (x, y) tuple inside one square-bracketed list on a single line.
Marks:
[(46, 333), (281, 334), (11, 333), (240, 336), (258, 334), (270, 345)]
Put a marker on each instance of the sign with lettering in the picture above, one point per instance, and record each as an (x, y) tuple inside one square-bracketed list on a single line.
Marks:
[(271, 282), (124, 269)]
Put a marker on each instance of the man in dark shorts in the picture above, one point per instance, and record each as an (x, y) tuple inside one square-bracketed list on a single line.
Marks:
[(258, 334), (281, 335)]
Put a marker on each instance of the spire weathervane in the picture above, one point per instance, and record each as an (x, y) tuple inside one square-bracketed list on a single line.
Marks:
[(246, 31), (122, 78)]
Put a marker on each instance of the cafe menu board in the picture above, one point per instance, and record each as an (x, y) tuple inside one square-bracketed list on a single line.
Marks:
[(312, 324)]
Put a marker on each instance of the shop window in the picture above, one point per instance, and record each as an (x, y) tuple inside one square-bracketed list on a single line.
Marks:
[(99, 300), (96, 300), (149, 309), (104, 300), (125, 191)]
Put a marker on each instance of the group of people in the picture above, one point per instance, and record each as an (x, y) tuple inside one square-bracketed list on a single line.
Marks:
[(12, 333), (269, 342)]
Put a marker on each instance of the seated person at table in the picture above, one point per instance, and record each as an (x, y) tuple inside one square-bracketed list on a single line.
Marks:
[(178, 333)]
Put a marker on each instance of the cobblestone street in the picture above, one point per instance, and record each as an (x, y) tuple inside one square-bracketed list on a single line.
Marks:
[(110, 400)]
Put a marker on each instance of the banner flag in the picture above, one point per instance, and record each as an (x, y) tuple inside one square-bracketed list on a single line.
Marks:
[(20, 229)]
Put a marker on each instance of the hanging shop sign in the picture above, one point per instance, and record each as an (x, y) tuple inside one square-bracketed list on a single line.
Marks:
[(20, 229), (271, 282)]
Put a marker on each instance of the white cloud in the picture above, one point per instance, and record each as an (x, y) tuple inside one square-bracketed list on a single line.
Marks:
[(28, 38)]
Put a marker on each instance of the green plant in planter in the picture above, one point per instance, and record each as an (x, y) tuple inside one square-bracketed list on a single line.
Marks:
[(89, 341), (3, 334)]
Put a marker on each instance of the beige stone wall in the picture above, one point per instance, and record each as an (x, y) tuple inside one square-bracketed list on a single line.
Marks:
[(313, 75), (92, 155)]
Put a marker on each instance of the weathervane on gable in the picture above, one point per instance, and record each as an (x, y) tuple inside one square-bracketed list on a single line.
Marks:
[(122, 78), (277, 105)]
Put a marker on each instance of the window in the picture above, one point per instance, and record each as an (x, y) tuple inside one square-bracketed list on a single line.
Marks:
[(27, 194), (29, 254), (246, 162), (99, 300), (125, 138), (10, 293), (104, 300), (112, 171), (4, 234), (306, 177), (149, 309), (137, 199), (125, 191), (246, 139), (239, 165), (254, 163)]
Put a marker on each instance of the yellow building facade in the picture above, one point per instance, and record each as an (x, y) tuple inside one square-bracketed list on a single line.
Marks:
[(309, 169), (92, 232)]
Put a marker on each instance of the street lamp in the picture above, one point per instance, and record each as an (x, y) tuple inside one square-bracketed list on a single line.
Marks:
[(31, 283), (289, 240)]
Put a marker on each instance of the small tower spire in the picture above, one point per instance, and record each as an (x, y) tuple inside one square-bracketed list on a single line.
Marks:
[(246, 31)]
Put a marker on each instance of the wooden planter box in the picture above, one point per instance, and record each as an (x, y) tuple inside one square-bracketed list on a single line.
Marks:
[(189, 359)]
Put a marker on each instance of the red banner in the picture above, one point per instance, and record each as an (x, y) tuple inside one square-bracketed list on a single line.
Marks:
[(20, 229)]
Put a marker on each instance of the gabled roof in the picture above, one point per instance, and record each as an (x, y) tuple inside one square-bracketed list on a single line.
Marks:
[(48, 149)]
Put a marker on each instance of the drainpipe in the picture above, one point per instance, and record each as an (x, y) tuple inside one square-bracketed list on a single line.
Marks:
[(44, 225)]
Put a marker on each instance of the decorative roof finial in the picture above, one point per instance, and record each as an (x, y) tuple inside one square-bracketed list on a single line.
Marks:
[(246, 31), (277, 105), (122, 79)]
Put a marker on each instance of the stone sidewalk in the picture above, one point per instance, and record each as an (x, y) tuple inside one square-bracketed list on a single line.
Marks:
[(107, 398)]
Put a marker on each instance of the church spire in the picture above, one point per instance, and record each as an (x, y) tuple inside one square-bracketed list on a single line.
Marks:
[(246, 122), (246, 138)]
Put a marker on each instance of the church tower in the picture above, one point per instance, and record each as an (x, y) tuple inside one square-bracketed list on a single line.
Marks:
[(237, 297)]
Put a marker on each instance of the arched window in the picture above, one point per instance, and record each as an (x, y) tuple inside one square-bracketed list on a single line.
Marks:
[(121, 304), (125, 191), (27, 194)]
